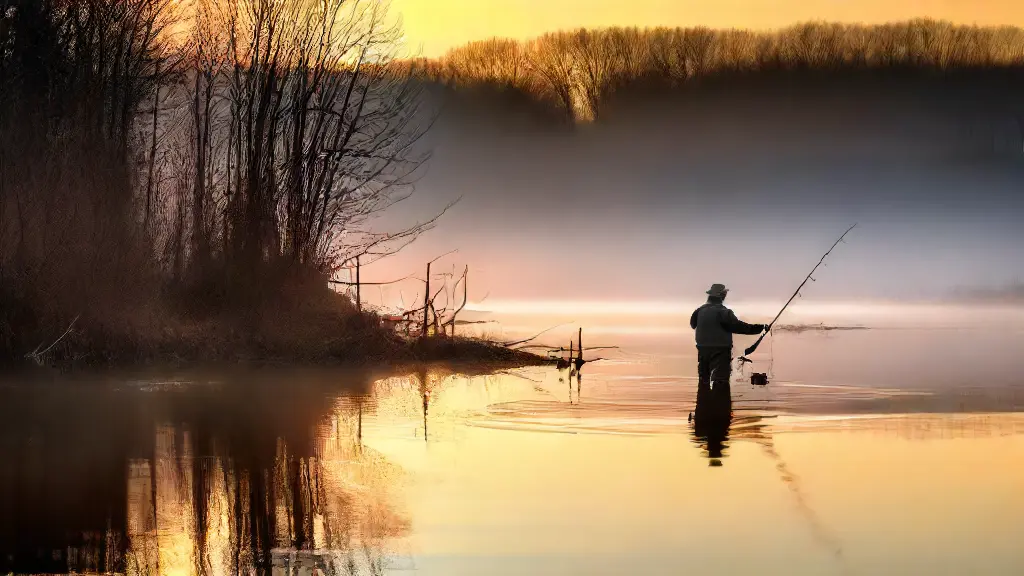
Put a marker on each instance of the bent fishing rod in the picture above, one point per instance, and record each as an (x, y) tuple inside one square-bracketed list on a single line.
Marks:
[(768, 329)]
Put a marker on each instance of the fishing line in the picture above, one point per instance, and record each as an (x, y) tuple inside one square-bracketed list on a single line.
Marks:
[(818, 529)]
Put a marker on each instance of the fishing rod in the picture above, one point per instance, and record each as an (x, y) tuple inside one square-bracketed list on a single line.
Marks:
[(768, 329)]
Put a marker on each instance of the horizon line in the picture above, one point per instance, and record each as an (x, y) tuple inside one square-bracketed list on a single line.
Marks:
[(651, 307)]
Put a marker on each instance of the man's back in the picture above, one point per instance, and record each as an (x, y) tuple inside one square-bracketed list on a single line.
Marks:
[(715, 324)]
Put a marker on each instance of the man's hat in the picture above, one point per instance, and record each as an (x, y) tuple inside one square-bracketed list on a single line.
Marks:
[(718, 291)]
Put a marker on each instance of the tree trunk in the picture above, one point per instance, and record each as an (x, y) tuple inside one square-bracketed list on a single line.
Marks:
[(199, 184), (152, 157)]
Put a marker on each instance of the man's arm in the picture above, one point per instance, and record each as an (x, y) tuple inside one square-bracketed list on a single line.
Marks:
[(733, 324), (693, 319)]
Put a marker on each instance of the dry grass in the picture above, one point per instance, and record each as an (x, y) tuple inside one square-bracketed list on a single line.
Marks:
[(327, 331)]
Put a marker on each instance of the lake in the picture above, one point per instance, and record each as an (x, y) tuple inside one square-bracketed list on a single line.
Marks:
[(893, 450)]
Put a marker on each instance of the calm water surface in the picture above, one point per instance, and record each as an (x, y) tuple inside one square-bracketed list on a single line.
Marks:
[(874, 452)]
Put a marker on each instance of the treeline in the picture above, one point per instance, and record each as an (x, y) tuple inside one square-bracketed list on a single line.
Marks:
[(579, 73), (200, 156), (75, 76)]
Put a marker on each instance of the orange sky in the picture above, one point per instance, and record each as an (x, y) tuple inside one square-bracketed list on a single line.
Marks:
[(434, 26)]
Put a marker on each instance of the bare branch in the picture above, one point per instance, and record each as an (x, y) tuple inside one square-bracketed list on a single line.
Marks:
[(534, 337), (38, 355)]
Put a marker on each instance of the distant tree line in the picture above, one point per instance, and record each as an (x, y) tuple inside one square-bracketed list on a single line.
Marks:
[(579, 71)]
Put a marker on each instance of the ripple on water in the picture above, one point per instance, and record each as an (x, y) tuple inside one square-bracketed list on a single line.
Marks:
[(661, 404)]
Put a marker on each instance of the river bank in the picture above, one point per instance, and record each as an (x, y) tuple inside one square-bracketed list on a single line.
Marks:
[(465, 355), (300, 332)]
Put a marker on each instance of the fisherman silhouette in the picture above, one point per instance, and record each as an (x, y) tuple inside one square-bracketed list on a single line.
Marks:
[(714, 325)]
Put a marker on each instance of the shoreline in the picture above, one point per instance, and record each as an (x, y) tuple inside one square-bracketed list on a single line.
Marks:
[(454, 354)]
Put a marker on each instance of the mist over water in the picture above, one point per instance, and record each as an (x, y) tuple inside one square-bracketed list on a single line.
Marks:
[(745, 185), (964, 357)]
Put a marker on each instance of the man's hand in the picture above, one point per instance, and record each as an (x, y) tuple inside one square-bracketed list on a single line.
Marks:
[(764, 327)]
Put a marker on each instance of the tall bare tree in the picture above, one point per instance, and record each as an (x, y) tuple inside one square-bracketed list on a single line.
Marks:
[(556, 70), (75, 76), (319, 131)]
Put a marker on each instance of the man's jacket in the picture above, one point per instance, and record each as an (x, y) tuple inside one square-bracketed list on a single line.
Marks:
[(715, 324)]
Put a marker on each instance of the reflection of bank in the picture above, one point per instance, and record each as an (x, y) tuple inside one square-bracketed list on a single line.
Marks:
[(291, 562), (203, 481), (325, 512)]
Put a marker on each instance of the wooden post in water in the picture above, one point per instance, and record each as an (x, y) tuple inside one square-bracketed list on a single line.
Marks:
[(359, 297), (426, 302), (579, 353)]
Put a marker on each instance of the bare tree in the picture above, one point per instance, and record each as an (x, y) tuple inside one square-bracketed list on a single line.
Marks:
[(555, 70), (698, 51), (208, 58), (498, 60), (322, 132), (75, 76), (590, 52)]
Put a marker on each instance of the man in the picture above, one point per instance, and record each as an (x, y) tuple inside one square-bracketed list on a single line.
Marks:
[(715, 324)]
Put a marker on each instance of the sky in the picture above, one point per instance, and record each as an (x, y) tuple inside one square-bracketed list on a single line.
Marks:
[(434, 26)]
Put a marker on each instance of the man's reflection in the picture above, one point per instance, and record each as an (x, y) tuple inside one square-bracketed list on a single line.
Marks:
[(711, 420)]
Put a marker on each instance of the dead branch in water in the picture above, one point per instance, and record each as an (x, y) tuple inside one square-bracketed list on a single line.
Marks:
[(426, 309), (534, 337), (428, 301), (558, 349)]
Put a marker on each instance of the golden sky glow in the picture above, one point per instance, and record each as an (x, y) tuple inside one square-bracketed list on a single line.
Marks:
[(434, 26)]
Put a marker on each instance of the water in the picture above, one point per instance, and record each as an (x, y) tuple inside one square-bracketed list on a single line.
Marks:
[(891, 451)]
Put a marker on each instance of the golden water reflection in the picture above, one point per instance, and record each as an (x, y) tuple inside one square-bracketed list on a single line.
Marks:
[(519, 473), (246, 475)]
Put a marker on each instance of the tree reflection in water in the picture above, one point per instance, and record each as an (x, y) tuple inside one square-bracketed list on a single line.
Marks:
[(256, 473)]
